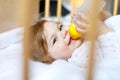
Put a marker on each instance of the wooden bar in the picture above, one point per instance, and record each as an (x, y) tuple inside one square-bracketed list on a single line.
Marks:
[(92, 34), (47, 8), (25, 8), (59, 7), (115, 8)]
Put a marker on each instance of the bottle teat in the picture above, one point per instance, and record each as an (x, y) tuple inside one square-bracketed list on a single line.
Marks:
[(73, 32)]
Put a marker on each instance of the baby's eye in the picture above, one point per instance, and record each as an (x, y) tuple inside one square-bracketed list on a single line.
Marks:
[(54, 40), (60, 28)]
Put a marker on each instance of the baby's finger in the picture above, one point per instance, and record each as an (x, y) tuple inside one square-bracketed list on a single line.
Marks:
[(81, 30), (82, 17), (80, 24)]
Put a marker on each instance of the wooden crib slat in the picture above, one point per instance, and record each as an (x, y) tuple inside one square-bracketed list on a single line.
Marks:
[(59, 7), (115, 8), (92, 34), (25, 8), (47, 8)]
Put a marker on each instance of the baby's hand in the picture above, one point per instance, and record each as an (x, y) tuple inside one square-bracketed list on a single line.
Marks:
[(81, 22)]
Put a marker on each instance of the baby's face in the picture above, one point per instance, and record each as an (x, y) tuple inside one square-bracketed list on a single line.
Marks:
[(60, 45)]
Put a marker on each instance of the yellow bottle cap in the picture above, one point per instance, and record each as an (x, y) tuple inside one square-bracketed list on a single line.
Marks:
[(73, 32)]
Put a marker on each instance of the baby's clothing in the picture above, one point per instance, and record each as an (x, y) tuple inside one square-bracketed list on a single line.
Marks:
[(107, 46)]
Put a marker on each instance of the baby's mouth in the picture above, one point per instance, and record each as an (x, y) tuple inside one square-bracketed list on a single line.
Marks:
[(69, 41)]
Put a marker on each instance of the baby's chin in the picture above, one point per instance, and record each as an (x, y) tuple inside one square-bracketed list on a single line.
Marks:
[(75, 44)]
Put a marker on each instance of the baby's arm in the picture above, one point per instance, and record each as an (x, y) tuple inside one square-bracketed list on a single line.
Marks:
[(104, 14)]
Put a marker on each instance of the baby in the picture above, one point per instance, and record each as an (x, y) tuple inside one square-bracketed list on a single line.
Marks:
[(51, 40)]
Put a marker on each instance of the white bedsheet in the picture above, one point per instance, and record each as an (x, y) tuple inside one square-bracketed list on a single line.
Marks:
[(11, 63)]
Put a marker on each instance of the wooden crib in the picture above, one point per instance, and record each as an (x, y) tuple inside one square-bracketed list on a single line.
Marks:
[(73, 3), (26, 10)]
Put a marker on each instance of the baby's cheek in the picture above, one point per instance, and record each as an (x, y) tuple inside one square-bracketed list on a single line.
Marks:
[(62, 47)]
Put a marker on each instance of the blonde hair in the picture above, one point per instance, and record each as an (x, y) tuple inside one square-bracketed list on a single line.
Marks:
[(39, 47)]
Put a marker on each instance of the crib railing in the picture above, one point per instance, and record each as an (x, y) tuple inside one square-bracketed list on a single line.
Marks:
[(115, 8), (73, 3), (25, 7)]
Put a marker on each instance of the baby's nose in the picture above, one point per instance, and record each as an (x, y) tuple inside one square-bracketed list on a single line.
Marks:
[(64, 33), (66, 27), (65, 30)]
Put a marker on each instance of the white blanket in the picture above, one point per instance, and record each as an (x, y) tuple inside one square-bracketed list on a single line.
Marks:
[(10, 55)]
